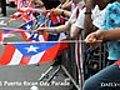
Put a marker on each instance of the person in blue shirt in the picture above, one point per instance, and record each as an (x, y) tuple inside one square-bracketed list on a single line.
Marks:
[(110, 22), (108, 78)]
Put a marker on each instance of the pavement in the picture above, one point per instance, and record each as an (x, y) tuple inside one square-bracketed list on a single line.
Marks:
[(26, 77)]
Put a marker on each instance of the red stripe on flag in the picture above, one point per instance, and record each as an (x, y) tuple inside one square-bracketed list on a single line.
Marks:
[(50, 54), (25, 60), (1, 36), (26, 18), (63, 46), (24, 36), (7, 55)]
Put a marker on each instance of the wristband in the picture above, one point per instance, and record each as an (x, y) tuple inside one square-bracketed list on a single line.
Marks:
[(88, 13), (63, 13)]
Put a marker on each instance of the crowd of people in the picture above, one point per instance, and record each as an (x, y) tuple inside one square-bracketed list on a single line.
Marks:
[(99, 19)]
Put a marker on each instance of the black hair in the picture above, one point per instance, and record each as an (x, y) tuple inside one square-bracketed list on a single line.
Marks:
[(111, 1), (49, 4)]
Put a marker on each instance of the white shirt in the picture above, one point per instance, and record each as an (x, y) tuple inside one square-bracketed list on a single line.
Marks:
[(73, 16), (97, 17)]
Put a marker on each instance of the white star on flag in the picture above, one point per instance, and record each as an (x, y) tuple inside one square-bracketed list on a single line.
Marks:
[(31, 49), (28, 27)]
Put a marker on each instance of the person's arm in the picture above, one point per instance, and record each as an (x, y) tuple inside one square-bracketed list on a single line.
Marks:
[(74, 31), (62, 12), (57, 29), (103, 35), (67, 5), (111, 34), (88, 26), (38, 4), (78, 25), (66, 13)]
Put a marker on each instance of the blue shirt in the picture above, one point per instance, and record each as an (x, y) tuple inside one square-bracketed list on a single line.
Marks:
[(110, 22)]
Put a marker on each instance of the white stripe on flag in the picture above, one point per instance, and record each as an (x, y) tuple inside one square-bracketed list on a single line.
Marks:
[(16, 58), (36, 58)]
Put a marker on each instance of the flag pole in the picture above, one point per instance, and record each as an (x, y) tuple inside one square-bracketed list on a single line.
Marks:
[(37, 42)]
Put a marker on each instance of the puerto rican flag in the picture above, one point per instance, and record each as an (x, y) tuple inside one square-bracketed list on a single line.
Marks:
[(27, 27), (25, 14), (30, 52), (26, 54)]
